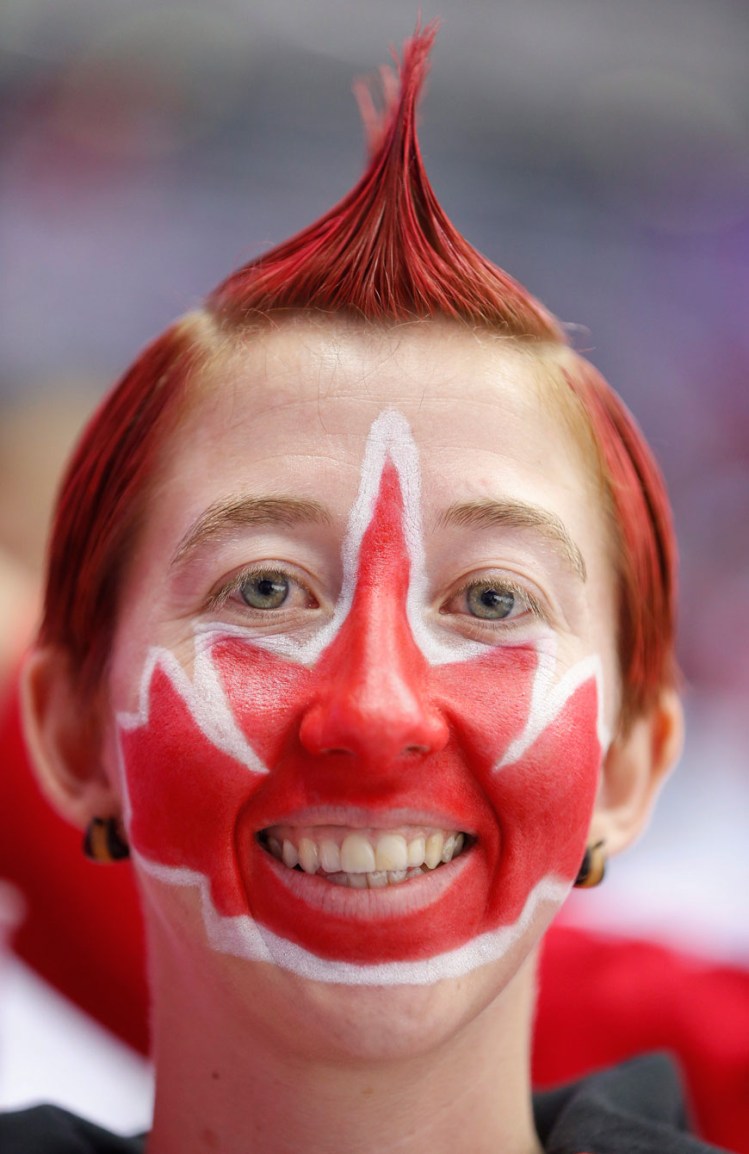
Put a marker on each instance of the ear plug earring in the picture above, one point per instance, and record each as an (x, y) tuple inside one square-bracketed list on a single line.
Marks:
[(592, 868), (103, 841)]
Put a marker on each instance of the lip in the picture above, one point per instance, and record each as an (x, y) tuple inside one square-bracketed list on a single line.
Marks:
[(361, 818)]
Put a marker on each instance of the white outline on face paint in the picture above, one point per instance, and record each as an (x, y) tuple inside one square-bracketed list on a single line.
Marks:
[(548, 700), (389, 438), (206, 700)]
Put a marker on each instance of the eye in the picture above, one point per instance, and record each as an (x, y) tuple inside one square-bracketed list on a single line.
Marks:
[(265, 590), (495, 600)]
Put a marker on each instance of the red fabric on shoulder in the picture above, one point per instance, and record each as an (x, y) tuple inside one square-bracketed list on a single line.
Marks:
[(606, 999), (82, 931)]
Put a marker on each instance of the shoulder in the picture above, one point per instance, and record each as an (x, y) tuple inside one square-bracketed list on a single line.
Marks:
[(50, 1130), (634, 1108)]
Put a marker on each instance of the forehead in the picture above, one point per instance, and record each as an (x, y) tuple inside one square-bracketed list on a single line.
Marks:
[(297, 402)]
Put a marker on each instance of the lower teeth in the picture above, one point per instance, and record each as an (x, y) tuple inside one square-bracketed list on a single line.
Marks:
[(372, 881)]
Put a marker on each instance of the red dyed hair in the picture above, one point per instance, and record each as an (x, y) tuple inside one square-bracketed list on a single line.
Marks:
[(385, 253)]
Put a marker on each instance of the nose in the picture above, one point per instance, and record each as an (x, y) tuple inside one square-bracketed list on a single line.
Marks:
[(373, 696), (373, 699)]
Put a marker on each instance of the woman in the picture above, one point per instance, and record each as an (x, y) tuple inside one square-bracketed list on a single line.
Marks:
[(358, 638)]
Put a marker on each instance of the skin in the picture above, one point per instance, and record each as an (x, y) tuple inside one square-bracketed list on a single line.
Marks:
[(266, 1053)]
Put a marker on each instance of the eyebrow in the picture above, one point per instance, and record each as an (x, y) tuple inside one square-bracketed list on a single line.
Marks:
[(247, 512), (487, 514)]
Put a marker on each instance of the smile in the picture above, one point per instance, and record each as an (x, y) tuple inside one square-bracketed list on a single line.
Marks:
[(363, 859)]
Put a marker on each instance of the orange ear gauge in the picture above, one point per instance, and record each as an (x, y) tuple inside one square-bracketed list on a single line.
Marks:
[(103, 841), (592, 868)]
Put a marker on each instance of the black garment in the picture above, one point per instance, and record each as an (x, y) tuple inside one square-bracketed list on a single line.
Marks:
[(632, 1109), (50, 1130), (635, 1108)]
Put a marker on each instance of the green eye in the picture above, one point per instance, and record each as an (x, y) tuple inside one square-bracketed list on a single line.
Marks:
[(489, 602), (264, 590)]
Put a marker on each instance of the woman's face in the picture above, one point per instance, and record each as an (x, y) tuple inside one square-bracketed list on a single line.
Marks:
[(365, 662)]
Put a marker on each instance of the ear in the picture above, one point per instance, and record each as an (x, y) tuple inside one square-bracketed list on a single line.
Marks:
[(64, 739), (634, 769)]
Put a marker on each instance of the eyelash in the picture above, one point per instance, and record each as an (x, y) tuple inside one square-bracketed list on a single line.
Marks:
[(503, 584), (218, 599)]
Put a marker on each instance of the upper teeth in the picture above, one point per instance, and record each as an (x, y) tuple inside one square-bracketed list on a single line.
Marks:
[(334, 850)]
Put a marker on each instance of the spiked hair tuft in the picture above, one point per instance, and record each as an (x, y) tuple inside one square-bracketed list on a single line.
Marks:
[(387, 251)]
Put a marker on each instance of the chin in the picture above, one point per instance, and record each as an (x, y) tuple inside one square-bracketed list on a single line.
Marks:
[(363, 1024), (313, 1020)]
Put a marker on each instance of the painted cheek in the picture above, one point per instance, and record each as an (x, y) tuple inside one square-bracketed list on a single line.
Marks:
[(540, 800), (543, 803), (267, 695), (184, 794)]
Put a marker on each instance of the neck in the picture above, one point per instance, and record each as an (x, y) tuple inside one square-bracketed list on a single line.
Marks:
[(230, 1081)]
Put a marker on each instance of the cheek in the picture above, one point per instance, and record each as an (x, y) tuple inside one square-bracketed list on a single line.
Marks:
[(195, 760), (544, 800), (185, 795), (267, 696), (534, 746)]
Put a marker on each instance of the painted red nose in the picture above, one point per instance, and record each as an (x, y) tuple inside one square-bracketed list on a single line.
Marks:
[(373, 698)]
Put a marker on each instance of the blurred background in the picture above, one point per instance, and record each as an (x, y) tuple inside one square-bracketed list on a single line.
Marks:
[(599, 151)]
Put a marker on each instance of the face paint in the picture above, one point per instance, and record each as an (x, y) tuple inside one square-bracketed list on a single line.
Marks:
[(383, 722)]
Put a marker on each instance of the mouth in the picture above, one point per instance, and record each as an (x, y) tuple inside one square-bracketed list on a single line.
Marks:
[(364, 858)]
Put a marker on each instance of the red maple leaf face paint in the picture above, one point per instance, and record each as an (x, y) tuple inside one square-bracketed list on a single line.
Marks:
[(383, 801)]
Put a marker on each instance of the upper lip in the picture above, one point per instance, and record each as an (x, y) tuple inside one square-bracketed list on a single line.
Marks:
[(361, 818)]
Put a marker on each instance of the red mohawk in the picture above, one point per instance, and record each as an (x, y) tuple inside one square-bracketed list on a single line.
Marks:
[(387, 251)]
